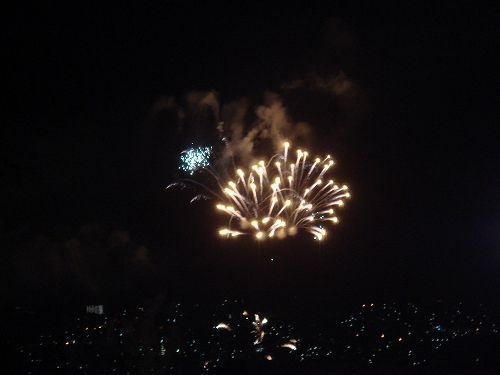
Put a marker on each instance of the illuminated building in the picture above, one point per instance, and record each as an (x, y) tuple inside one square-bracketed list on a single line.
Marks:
[(95, 309)]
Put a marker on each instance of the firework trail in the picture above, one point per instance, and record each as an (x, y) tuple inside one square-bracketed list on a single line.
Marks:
[(274, 198)]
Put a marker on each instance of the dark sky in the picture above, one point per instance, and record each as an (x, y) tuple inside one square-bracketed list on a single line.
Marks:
[(85, 159)]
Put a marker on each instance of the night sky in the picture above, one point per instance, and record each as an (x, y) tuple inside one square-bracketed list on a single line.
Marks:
[(404, 98)]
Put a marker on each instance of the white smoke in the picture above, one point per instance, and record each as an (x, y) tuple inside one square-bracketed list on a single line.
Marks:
[(337, 85), (197, 100), (271, 123)]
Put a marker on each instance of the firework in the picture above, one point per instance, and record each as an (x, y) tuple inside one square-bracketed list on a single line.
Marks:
[(195, 158), (279, 197), (276, 198), (258, 331), (258, 328)]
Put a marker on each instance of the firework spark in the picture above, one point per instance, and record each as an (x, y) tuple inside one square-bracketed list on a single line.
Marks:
[(223, 326), (279, 197), (289, 345), (195, 158), (258, 331), (252, 327)]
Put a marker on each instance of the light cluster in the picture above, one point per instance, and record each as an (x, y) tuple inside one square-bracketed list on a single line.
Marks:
[(257, 335), (195, 158), (279, 197)]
